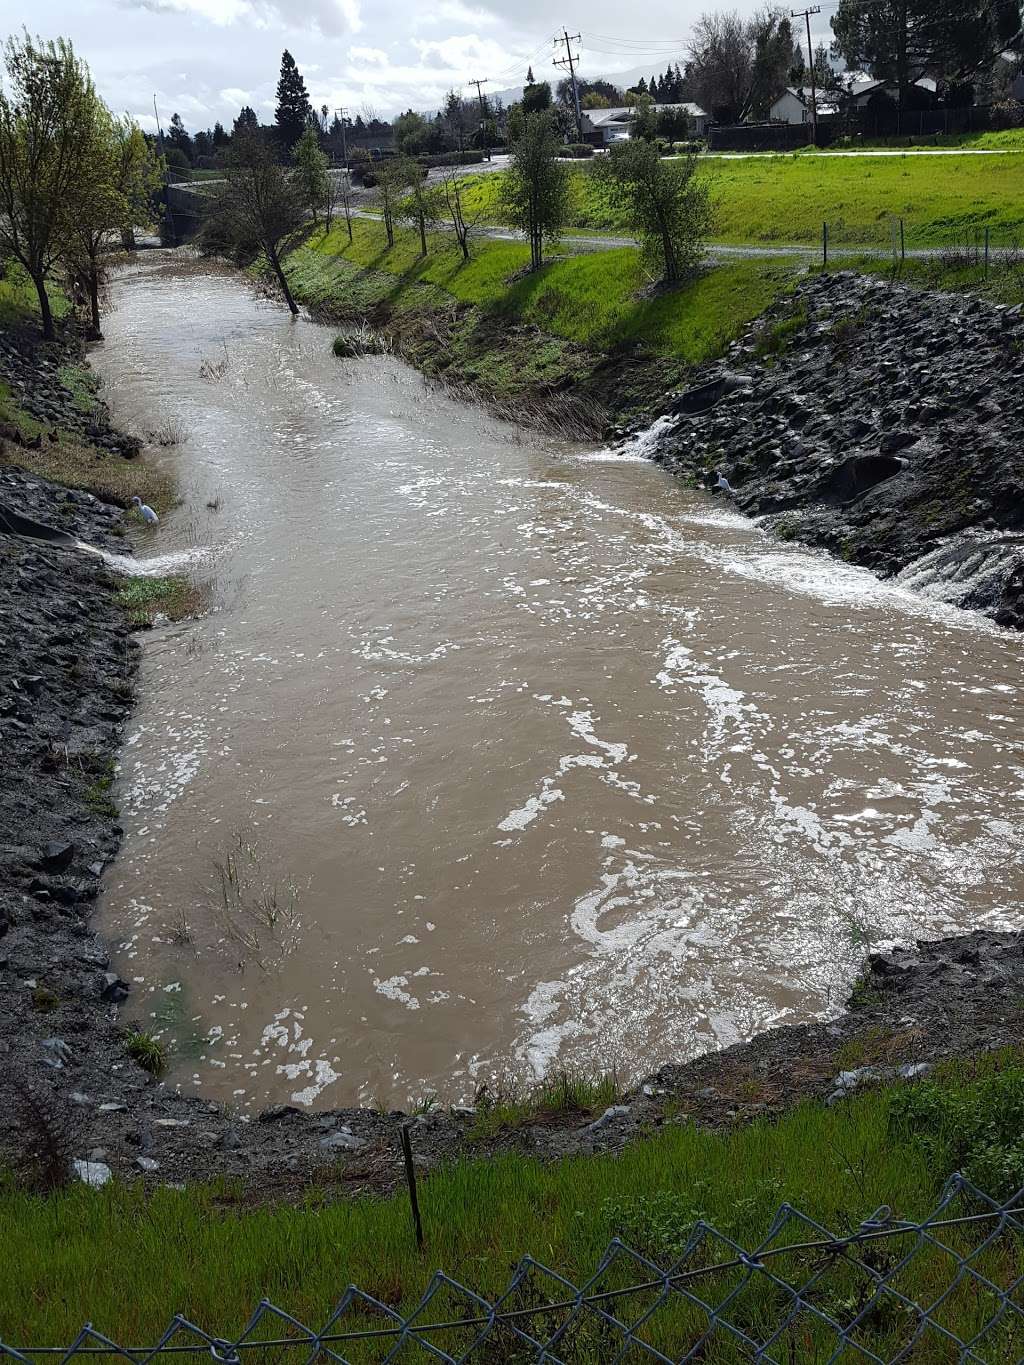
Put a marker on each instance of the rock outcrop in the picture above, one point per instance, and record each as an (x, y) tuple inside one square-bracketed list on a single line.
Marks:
[(881, 423)]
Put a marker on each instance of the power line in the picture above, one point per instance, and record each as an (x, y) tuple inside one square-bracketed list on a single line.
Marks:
[(806, 16), (568, 61)]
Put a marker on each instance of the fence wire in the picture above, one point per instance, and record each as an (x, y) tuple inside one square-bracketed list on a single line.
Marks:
[(949, 1287)]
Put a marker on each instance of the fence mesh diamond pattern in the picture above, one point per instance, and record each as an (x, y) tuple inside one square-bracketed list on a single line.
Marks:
[(948, 1287)]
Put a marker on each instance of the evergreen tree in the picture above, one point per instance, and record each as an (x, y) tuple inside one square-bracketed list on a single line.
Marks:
[(177, 136), (294, 110), (246, 120), (220, 137), (529, 76)]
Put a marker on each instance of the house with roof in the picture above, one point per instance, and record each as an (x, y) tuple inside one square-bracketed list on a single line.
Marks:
[(604, 126), (794, 105)]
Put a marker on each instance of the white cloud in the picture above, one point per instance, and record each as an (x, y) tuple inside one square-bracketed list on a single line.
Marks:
[(369, 56)]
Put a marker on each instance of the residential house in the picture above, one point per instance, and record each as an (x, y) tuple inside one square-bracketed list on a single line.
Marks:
[(604, 126), (794, 106)]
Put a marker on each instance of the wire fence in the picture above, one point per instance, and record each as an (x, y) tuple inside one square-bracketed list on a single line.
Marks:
[(971, 246), (947, 1287)]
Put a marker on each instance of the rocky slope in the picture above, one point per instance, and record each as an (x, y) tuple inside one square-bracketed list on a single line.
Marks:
[(881, 423)]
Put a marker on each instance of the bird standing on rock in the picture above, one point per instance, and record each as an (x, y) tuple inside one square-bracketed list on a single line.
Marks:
[(722, 484), (145, 512)]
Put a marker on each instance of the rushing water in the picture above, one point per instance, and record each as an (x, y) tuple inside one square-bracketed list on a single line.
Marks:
[(494, 754)]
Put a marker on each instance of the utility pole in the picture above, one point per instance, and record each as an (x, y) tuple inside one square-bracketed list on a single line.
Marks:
[(805, 14), (340, 116), (568, 62), (483, 113)]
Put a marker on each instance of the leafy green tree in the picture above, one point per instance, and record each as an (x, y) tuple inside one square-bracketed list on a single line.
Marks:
[(645, 119), (902, 40), (420, 206), (294, 110), (311, 175), (411, 132), (666, 204), (220, 137), (536, 97), (534, 192), (260, 207), (119, 173), (47, 117)]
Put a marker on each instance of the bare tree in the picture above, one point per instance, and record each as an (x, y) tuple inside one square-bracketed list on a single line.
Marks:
[(260, 204), (737, 65), (393, 179), (448, 196), (47, 120)]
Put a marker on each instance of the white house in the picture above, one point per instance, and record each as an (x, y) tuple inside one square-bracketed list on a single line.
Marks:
[(794, 106), (602, 126)]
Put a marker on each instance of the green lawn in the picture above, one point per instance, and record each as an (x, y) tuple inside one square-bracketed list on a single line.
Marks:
[(600, 300), (126, 1261), (18, 299), (786, 198)]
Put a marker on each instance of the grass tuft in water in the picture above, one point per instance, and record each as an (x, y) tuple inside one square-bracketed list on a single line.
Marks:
[(174, 598)]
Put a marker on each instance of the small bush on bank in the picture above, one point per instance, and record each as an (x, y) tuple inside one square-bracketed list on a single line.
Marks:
[(147, 1051), (174, 598)]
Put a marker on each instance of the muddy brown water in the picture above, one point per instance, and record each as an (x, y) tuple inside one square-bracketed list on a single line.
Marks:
[(496, 755)]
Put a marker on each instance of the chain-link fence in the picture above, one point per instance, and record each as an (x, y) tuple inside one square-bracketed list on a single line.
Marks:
[(948, 1287)]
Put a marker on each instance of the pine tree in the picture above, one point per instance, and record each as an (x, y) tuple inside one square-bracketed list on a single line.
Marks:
[(177, 136), (529, 75), (220, 137), (246, 120), (293, 107)]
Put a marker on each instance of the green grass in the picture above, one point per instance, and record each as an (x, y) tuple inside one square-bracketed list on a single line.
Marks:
[(146, 1051), (82, 384), (786, 198), (600, 300), (126, 1260), (19, 302), (174, 597)]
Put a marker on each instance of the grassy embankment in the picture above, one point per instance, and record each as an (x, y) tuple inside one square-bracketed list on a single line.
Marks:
[(126, 1261), (785, 199), (584, 329)]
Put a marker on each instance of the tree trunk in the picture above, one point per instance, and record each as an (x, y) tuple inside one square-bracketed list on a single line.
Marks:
[(94, 302), (45, 312), (283, 283), (348, 224), (423, 235)]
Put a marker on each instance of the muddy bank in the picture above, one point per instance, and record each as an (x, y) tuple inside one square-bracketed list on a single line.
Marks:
[(880, 423)]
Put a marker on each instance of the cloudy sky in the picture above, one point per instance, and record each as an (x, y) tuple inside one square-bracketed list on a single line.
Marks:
[(205, 58)]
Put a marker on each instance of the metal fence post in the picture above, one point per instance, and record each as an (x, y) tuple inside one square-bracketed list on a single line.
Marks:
[(903, 242), (824, 246), (987, 230), (410, 1175)]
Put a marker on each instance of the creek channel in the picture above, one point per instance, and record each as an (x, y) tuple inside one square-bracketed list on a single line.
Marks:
[(495, 755)]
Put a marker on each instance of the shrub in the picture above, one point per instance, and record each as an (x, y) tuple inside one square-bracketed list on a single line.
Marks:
[(977, 1129), (578, 149), (1008, 114)]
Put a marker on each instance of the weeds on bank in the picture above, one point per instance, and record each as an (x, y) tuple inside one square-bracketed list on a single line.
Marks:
[(146, 1051), (513, 1104), (174, 598)]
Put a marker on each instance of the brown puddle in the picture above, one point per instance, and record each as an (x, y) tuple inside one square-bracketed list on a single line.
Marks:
[(498, 755)]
